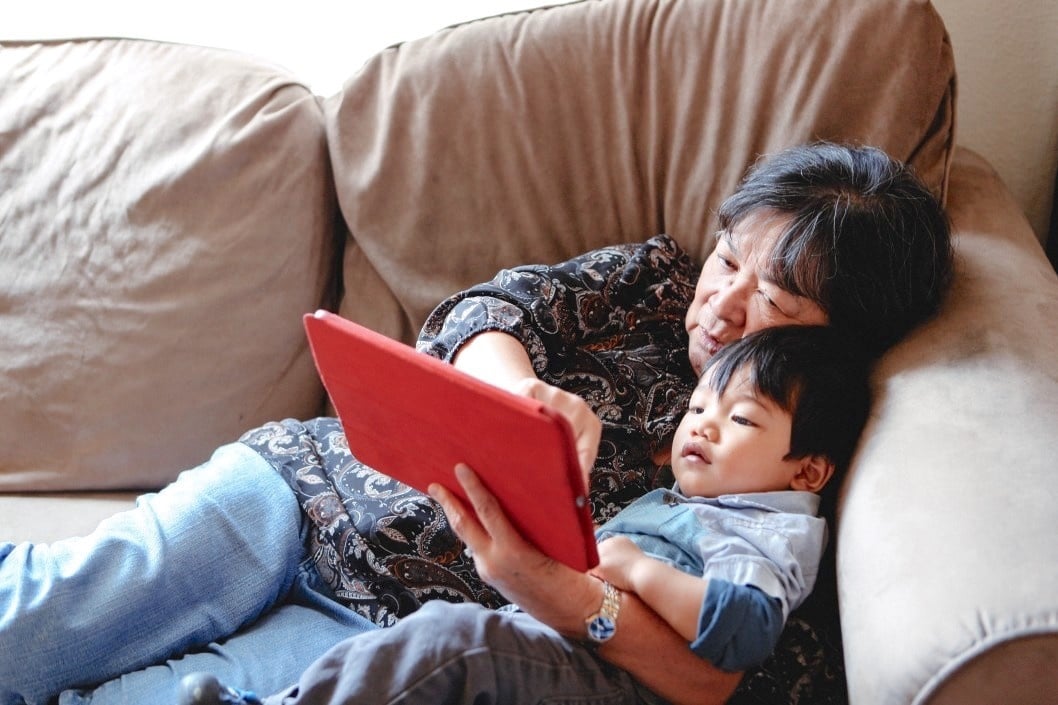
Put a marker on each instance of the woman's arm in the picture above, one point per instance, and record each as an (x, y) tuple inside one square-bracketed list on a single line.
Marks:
[(563, 598), (500, 359), (555, 310)]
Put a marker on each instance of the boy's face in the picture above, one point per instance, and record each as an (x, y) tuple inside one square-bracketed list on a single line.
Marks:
[(735, 296), (734, 443)]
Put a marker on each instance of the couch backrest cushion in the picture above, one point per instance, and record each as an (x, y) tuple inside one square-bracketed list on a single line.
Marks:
[(536, 135), (166, 216)]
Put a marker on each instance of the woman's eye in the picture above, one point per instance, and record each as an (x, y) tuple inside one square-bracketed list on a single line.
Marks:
[(771, 303), (727, 264), (768, 299)]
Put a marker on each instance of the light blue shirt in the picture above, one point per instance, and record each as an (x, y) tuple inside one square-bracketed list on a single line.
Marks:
[(769, 540)]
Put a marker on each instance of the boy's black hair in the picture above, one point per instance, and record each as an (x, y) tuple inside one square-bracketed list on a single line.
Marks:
[(866, 240), (816, 374)]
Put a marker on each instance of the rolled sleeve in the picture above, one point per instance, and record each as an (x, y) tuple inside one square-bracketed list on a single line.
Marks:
[(738, 626), (556, 310), (460, 318)]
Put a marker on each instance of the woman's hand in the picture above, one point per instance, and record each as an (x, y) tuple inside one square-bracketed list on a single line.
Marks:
[(587, 429), (500, 360), (563, 598), (520, 571)]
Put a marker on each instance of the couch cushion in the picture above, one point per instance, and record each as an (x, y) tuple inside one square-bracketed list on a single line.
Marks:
[(536, 135), (166, 216), (44, 517)]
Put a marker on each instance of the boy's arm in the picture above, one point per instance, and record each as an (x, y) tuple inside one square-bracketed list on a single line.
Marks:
[(735, 627), (674, 595)]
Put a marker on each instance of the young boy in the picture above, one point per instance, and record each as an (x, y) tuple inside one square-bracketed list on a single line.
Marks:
[(723, 557)]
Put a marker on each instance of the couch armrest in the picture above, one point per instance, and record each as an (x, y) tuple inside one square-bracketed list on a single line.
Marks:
[(948, 566)]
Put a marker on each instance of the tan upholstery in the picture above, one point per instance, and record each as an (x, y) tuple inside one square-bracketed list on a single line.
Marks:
[(945, 548), (538, 135), (166, 216), (169, 212)]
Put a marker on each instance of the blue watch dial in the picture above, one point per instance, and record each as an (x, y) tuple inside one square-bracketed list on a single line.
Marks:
[(601, 628)]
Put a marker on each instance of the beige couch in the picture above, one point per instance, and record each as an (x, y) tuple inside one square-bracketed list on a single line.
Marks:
[(168, 212)]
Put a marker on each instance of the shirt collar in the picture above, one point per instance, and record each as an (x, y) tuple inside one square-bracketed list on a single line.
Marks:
[(787, 501)]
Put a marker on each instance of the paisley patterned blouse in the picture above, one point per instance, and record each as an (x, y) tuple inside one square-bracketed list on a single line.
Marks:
[(608, 326)]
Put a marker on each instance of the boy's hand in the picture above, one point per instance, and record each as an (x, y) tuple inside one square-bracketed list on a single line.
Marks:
[(674, 595), (619, 559)]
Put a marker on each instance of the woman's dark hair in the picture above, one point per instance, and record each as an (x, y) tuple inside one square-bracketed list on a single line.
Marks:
[(867, 241), (816, 373)]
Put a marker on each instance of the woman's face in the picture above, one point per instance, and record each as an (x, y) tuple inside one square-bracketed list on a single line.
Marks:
[(735, 296)]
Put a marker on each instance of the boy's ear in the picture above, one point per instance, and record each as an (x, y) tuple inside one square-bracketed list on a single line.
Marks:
[(815, 472)]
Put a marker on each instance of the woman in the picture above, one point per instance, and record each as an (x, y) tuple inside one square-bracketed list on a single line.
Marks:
[(613, 339)]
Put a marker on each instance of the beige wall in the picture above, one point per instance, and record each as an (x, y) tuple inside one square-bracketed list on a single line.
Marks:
[(1006, 55)]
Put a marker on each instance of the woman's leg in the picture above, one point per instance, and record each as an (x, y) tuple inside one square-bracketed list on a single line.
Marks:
[(446, 654), (264, 656), (187, 566)]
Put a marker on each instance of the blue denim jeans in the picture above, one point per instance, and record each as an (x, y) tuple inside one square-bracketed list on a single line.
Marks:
[(448, 654), (209, 574)]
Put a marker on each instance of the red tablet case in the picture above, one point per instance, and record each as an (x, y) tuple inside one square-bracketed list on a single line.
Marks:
[(414, 417)]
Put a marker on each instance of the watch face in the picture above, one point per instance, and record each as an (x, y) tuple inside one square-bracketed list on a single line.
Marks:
[(601, 628)]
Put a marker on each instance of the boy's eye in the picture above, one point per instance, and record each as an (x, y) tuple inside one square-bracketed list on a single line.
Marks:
[(695, 410), (742, 420)]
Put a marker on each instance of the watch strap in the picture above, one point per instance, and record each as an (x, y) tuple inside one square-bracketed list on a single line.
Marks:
[(602, 625)]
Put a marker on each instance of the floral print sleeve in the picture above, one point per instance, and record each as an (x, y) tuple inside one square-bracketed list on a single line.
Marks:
[(607, 326), (556, 309)]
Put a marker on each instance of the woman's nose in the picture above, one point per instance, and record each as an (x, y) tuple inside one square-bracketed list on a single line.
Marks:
[(729, 303)]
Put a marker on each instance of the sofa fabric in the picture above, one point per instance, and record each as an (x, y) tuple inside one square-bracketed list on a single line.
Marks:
[(943, 572), (169, 212), (167, 215), (537, 135), (524, 137)]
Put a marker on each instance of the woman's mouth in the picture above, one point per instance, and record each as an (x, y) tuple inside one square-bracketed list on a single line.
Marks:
[(708, 343), (701, 347)]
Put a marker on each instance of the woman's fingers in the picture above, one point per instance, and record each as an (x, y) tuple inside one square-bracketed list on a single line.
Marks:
[(487, 525), (460, 517), (502, 556), (491, 517), (587, 428), (551, 591)]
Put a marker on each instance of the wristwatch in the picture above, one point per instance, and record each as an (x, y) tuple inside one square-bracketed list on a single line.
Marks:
[(602, 625)]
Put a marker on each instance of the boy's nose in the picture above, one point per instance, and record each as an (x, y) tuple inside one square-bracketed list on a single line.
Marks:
[(707, 430)]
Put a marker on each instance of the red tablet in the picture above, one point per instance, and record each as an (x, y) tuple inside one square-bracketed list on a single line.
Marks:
[(414, 417)]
